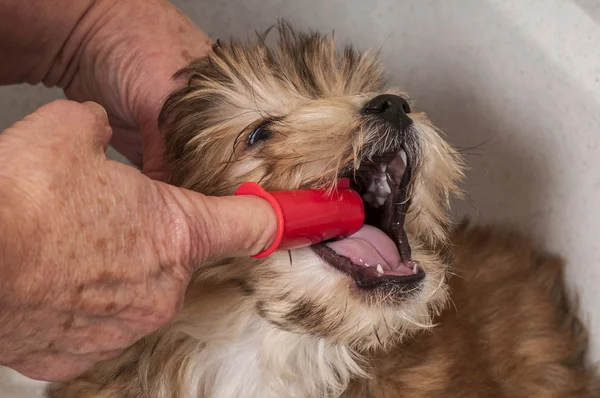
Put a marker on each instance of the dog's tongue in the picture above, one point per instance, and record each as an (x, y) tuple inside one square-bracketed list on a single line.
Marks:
[(371, 247)]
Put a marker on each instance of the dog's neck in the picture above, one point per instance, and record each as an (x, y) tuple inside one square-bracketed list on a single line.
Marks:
[(230, 351)]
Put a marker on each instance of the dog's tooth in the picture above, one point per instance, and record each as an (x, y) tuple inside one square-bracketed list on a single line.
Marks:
[(378, 187), (415, 269), (383, 167), (403, 156), (370, 198), (372, 187), (379, 268), (385, 188)]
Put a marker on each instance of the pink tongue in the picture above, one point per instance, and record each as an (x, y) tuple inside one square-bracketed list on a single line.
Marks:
[(371, 247)]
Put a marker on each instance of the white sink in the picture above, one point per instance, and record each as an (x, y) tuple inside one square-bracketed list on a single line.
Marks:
[(517, 81)]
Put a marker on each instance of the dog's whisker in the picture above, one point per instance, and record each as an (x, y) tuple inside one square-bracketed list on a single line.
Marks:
[(473, 205), (387, 326), (377, 336), (460, 155), (420, 210), (459, 149)]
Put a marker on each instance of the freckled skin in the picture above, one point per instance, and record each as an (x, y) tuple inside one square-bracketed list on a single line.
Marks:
[(68, 324), (61, 285), (89, 265), (94, 254)]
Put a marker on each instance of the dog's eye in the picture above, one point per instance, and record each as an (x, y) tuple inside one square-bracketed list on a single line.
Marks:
[(261, 133)]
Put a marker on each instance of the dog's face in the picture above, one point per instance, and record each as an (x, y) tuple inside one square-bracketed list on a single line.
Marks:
[(299, 114)]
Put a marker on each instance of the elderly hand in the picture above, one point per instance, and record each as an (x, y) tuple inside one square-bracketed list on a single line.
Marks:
[(93, 253), (126, 63)]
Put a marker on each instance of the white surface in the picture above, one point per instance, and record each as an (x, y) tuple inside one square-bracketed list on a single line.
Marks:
[(13, 385), (523, 75)]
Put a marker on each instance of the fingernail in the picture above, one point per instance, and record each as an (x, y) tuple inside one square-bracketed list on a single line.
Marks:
[(97, 109)]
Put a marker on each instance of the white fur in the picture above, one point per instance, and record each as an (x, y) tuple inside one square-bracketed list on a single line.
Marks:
[(231, 351)]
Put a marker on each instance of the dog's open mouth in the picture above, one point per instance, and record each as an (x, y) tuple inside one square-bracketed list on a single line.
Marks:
[(379, 253)]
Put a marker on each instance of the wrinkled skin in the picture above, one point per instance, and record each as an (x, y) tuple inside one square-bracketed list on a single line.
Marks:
[(127, 66), (94, 254)]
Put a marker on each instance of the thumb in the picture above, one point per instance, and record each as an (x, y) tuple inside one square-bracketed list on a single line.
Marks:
[(213, 228)]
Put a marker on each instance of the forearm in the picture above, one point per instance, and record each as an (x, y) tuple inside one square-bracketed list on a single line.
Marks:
[(40, 39)]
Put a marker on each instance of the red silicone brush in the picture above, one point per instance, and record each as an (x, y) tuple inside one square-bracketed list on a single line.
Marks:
[(309, 216)]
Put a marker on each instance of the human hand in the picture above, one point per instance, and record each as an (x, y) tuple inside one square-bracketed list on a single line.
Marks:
[(125, 55), (95, 255)]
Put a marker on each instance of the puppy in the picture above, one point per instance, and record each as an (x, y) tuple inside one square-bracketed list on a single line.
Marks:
[(372, 315)]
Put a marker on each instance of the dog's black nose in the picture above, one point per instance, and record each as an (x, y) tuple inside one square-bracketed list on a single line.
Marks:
[(391, 108)]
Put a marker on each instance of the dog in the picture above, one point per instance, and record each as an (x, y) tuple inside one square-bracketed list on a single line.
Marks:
[(410, 306)]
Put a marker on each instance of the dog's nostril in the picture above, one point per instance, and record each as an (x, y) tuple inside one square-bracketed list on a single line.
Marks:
[(406, 107), (376, 107), (389, 107), (386, 103)]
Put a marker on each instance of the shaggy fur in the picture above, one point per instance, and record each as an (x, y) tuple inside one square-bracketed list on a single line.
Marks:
[(293, 326)]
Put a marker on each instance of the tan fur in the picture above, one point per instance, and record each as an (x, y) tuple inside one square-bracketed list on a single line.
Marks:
[(511, 331), (291, 325)]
